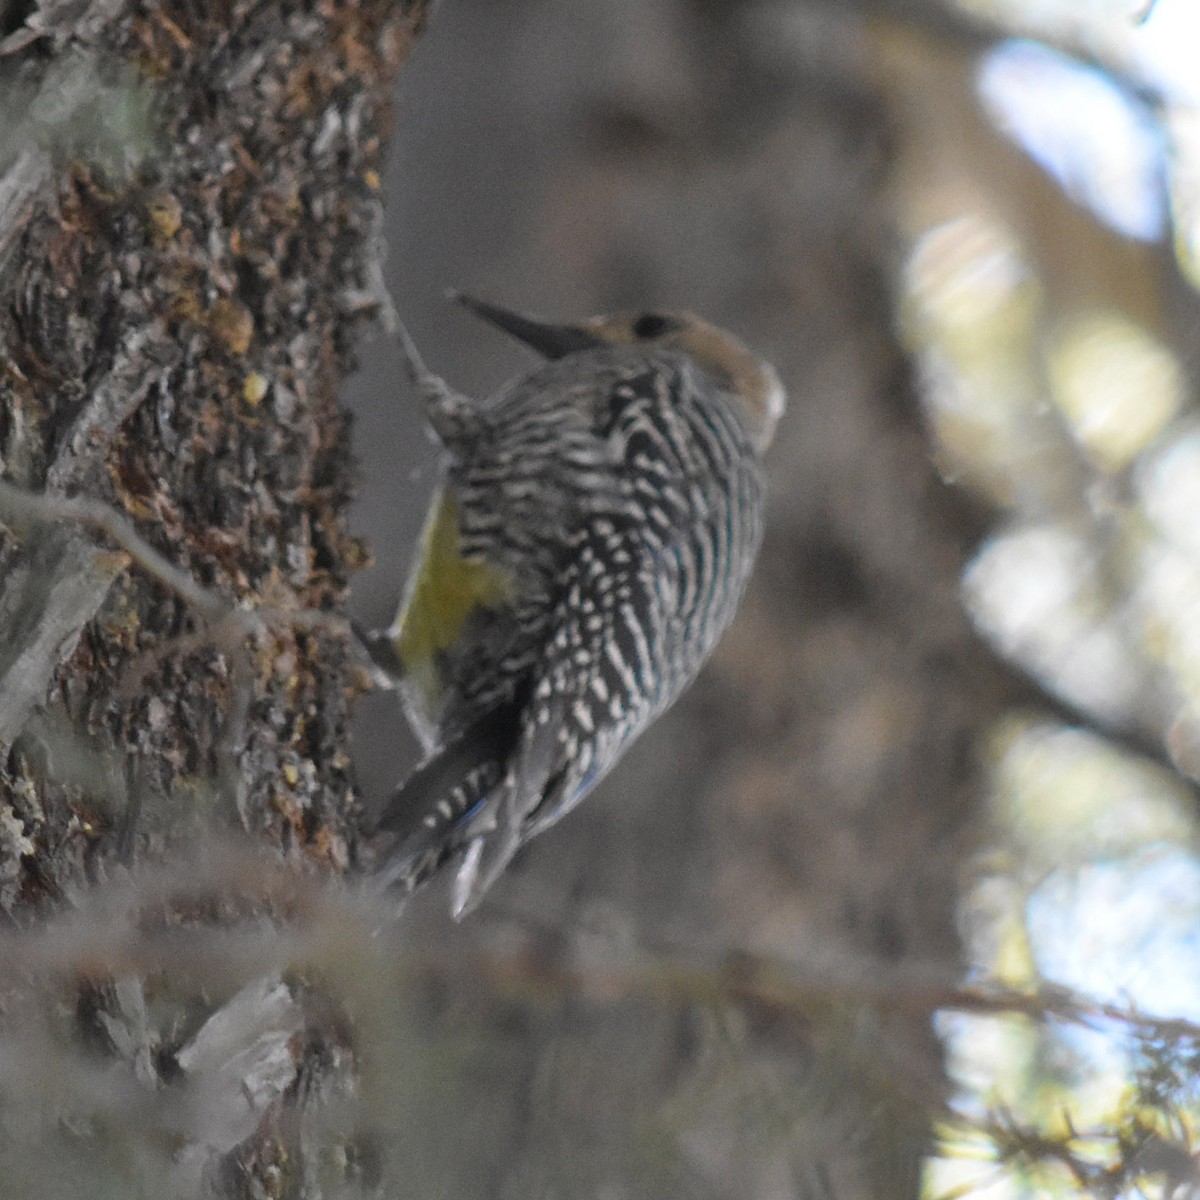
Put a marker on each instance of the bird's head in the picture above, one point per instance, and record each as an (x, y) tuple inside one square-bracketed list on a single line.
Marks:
[(727, 361)]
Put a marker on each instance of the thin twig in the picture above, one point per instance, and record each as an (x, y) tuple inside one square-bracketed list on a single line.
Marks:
[(18, 505)]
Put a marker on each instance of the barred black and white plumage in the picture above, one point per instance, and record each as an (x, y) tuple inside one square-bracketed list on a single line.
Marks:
[(596, 525)]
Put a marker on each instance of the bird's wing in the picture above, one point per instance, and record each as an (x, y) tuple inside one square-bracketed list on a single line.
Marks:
[(425, 817), (446, 592), (595, 688)]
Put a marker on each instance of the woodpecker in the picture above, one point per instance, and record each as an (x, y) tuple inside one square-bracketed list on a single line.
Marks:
[(594, 529)]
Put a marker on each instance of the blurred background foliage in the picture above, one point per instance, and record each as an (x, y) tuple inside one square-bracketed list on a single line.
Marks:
[(1047, 294), (956, 731)]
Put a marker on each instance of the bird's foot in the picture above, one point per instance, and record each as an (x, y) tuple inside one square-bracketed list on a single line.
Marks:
[(448, 411)]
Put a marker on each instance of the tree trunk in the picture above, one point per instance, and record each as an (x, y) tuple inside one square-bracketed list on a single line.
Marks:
[(189, 213)]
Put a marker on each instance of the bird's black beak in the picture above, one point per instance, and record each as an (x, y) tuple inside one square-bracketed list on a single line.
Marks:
[(551, 341)]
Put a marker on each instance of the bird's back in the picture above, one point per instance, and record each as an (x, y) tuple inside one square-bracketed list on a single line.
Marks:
[(595, 528), (623, 468)]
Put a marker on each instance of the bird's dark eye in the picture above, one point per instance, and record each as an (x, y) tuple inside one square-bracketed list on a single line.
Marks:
[(650, 325)]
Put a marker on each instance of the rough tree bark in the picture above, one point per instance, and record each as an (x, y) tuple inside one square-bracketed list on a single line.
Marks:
[(189, 213)]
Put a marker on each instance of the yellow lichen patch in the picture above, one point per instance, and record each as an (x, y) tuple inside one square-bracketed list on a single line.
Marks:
[(166, 214), (254, 388), (358, 554), (232, 323), (446, 590)]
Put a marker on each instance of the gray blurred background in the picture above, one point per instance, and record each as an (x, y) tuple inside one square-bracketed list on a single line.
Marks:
[(718, 977)]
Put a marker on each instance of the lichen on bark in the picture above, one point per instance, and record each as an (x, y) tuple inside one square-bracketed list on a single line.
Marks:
[(189, 218), (173, 335)]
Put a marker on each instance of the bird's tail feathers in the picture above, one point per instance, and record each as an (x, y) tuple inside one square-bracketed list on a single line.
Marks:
[(435, 812), (536, 766)]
